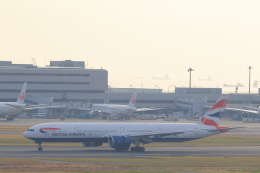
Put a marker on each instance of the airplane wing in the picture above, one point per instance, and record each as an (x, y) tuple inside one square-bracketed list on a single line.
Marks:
[(85, 109), (146, 137), (159, 134), (42, 107), (251, 107), (37, 105), (146, 109), (243, 110)]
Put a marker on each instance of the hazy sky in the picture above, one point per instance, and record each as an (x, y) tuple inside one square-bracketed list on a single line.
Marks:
[(136, 40)]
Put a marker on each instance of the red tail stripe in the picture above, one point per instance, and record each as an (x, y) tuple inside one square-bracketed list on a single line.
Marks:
[(208, 122), (220, 104)]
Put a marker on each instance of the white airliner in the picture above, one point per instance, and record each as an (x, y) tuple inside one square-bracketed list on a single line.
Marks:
[(248, 109), (10, 109), (121, 135), (117, 110)]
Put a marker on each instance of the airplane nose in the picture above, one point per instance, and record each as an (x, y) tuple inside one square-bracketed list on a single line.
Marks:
[(25, 134)]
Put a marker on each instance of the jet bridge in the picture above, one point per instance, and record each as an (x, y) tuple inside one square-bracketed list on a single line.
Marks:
[(40, 101), (196, 104)]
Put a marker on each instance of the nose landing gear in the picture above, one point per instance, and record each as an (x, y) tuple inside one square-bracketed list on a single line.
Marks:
[(39, 146)]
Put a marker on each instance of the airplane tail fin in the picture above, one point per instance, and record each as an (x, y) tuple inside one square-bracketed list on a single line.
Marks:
[(21, 96), (132, 100), (213, 115)]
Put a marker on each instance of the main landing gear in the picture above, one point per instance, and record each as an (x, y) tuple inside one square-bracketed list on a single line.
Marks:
[(137, 149), (39, 146)]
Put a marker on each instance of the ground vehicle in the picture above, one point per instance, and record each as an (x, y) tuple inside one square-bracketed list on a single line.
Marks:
[(171, 118), (39, 115), (237, 117)]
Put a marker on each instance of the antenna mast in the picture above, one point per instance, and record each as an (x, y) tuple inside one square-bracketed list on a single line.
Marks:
[(34, 62)]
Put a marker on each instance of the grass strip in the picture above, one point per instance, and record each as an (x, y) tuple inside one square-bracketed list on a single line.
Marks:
[(138, 164), (173, 163), (13, 128)]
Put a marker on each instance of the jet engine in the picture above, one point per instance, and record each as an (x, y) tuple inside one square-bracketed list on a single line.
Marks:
[(94, 113), (91, 144), (119, 142)]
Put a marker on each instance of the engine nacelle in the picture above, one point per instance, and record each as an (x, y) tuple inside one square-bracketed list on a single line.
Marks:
[(91, 144), (119, 142)]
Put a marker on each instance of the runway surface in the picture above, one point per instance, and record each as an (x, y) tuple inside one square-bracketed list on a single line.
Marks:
[(19, 151)]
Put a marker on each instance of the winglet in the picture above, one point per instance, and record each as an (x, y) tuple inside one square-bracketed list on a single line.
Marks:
[(21, 96), (133, 100)]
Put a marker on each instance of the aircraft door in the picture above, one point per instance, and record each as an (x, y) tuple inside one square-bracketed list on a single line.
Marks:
[(196, 132)]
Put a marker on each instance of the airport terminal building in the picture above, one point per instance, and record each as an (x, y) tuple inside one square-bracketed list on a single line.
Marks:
[(69, 82), (61, 83)]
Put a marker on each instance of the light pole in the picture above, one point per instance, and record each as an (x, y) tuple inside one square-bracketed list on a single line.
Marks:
[(249, 98), (130, 86), (142, 88), (190, 70), (158, 89), (169, 87), (154, 88), (174, 88)]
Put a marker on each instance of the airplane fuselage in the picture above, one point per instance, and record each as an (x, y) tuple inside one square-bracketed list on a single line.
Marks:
[(10, 108), (99, 132), (123, 110)]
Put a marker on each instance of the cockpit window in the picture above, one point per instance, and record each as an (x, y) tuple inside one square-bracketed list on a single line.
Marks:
[(31, 130)]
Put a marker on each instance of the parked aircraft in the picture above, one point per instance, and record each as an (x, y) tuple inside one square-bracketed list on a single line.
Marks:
[(10, 109), (249, 109), (109, 110), (121, 135), (248, 114)]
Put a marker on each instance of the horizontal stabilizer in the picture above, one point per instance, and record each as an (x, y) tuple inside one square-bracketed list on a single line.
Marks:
[(227, 128), (147, 109), (42, 107)]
